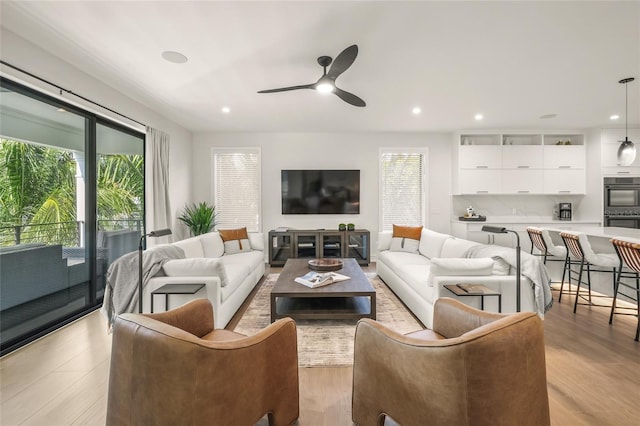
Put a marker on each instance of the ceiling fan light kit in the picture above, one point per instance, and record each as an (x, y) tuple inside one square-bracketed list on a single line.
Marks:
[(327, 83), (626, 150)]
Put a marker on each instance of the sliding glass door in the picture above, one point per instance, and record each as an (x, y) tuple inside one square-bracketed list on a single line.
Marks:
[(60, 211)]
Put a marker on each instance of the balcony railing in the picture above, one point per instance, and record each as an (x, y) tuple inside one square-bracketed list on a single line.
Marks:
[(64, 233)]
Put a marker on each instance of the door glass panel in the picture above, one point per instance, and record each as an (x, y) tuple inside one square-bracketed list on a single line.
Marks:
[(120, 196), (44, 268)]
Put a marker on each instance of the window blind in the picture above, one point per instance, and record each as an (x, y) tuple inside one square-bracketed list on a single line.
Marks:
[(236, 187), (402, 188)]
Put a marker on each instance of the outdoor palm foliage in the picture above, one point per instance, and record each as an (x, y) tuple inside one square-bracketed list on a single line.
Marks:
[(38, 191)]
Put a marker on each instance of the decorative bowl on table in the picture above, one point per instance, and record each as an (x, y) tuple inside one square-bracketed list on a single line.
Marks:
[(325, 264)]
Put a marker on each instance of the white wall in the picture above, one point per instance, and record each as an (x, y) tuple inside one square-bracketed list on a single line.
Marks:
[(329, 151), (25, 55)]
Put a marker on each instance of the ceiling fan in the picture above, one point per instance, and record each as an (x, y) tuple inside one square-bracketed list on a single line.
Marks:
[(327, 83)]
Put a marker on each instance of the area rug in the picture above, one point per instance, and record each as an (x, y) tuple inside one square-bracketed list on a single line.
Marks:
[(323, 343)]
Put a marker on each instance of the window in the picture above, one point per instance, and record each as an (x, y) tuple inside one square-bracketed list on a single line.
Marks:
[(402, 187), (236, 187)]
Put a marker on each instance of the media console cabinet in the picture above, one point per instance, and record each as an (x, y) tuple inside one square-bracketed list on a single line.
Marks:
[(319, 243)]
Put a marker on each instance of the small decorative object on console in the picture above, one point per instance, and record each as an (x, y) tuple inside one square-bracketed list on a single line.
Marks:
[(351, 227), (342, 227), (326, 264)]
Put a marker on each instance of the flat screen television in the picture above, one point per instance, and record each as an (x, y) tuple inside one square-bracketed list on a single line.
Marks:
[(320, 191)]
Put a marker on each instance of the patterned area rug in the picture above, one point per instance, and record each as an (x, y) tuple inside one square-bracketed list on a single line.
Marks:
[(324, 343)]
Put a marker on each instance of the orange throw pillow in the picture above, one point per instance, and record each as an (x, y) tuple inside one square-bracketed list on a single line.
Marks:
[(235, 240), (412, 232)]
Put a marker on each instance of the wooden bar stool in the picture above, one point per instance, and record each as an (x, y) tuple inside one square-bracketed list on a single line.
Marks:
[(629, 255), (579, 247)]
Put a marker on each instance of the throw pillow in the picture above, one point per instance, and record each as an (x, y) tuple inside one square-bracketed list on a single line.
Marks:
[(196, 267), (235, 240), (406, 238)]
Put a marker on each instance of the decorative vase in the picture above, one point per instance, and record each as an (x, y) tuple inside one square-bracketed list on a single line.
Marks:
[(342, 227)]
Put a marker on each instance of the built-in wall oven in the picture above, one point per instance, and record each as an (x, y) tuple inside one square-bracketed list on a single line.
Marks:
[(622, 202)]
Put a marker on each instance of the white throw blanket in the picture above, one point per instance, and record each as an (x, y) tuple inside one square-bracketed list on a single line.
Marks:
[(121, 293), (530, 266)]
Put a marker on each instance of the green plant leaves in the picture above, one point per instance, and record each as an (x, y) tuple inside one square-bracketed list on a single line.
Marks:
[(200, 218)]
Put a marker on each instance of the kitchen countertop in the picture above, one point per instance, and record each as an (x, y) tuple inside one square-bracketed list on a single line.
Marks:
[(627, 234), (529, 220)]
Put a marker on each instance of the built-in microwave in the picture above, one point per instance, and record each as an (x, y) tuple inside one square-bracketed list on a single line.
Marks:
[(622, 202), (622, 193)]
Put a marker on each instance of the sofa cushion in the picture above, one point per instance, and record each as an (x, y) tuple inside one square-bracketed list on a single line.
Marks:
[(500, 266), (196, 267), (237, 273), (462, 267), (431, 243), (417, 277), (456, 247), (396, 260), (384, 240), (212, 244), (251, 259), (406, 238), (256, 241), (192, 247), (235, 240)]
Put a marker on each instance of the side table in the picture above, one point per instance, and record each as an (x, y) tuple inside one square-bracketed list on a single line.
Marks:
[(475, 290), (168, 289)]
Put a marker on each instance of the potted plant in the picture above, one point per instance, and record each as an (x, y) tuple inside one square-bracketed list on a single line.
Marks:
[(200, 218)]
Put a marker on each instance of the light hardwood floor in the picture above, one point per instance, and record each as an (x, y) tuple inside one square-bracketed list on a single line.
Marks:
[(593, 373)]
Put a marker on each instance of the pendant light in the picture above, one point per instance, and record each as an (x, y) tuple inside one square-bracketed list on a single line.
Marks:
[(626, 150)]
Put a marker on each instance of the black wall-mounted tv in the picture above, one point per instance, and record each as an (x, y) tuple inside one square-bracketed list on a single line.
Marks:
[(320, 191)]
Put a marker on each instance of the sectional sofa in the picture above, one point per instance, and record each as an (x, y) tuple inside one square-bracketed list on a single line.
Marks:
[(229, 276), (418, 278)]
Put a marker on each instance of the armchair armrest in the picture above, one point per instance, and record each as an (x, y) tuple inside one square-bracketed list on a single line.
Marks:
[(195, 318), (453, 319)]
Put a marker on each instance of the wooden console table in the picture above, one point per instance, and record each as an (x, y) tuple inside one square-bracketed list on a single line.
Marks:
[(319, 243)]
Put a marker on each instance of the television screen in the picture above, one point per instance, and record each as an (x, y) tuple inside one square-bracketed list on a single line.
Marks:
[(320, 191)]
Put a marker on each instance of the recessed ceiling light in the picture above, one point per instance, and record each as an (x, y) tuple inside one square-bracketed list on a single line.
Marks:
[(478, 117), (416, 110), (61, 109), (547, 116), (226, 110), (614, 117), (175, 57)]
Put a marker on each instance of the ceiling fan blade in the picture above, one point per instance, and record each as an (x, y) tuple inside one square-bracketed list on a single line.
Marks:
[(343, 61), (284, 89), (350, 98)]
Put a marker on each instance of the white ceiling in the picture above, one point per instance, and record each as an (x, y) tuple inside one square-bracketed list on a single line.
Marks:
[(511, 61)]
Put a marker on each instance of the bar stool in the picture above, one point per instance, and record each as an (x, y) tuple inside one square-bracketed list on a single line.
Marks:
[(629, 254), (578, 245), (541, 240)]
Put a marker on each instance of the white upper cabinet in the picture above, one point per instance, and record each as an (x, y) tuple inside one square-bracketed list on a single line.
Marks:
[(610, 142), (529, 164)]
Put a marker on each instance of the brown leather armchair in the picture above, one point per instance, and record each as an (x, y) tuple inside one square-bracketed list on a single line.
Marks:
[(174, 368), (473, 368)]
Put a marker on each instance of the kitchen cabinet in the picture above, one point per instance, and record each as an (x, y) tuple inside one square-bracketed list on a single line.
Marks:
[(528, 164), (474, 181), (610, 142)]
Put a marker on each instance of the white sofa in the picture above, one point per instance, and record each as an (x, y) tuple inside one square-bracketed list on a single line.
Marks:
[(228, 278), (418, 279)]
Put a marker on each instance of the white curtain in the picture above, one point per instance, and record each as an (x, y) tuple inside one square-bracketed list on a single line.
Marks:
[(157, 184)]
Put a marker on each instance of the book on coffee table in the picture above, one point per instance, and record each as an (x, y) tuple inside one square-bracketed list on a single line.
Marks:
[(315, 279)]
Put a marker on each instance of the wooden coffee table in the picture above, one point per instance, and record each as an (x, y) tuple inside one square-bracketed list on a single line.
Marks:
[(352, 298)]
